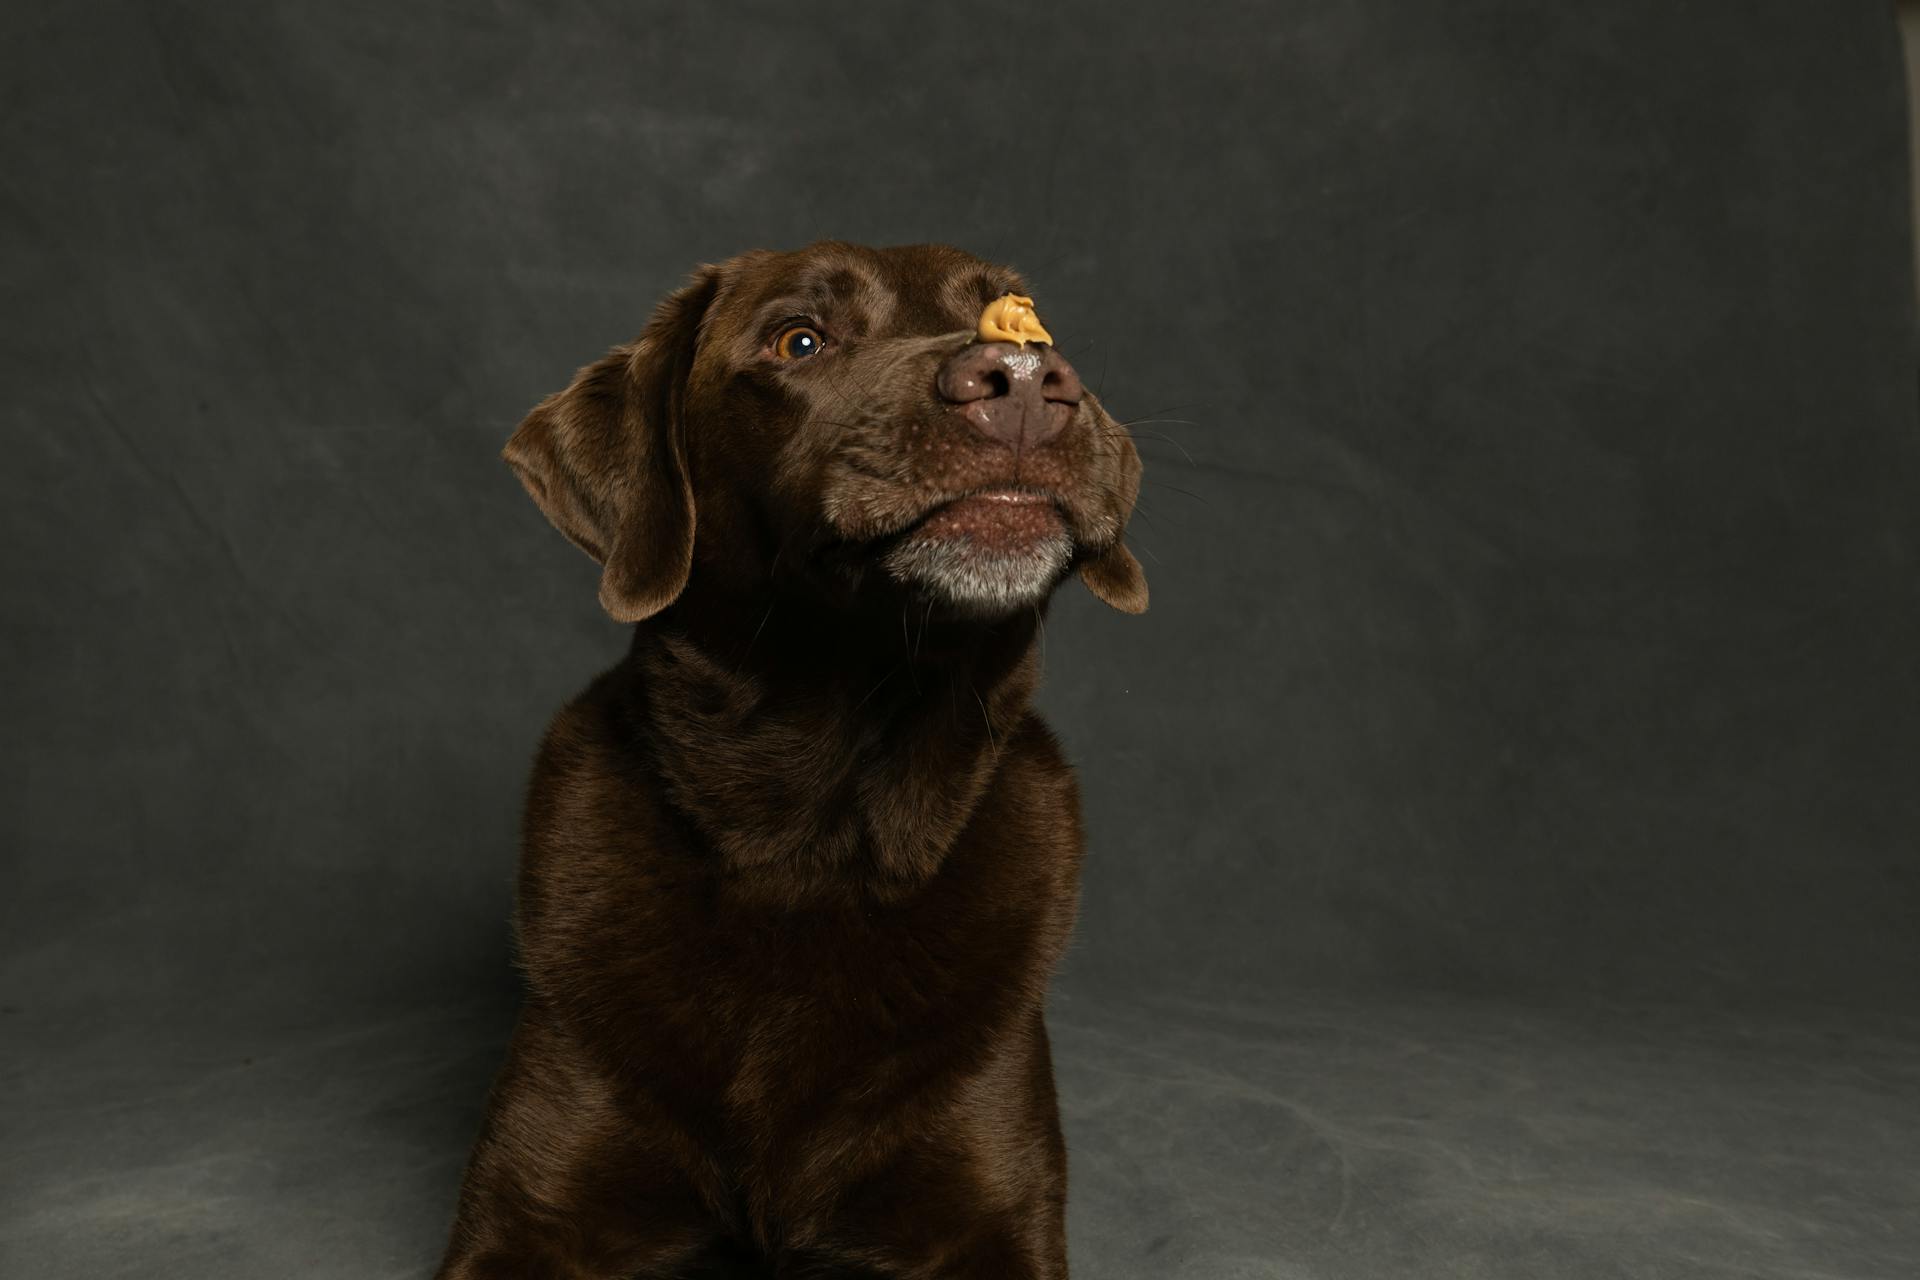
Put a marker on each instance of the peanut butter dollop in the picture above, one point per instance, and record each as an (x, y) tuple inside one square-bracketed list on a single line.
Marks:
[(1010, 318)]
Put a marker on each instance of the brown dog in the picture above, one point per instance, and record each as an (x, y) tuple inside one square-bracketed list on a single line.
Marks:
[(797, 871)]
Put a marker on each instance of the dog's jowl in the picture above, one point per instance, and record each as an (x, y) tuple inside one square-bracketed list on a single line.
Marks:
[(797, 870)]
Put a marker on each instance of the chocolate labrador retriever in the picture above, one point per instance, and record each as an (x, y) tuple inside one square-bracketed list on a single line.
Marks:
[(796, 872)]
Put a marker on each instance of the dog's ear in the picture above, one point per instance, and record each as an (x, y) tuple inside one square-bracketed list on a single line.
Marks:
[(1117, 578), (1113, 575), (606, 459)]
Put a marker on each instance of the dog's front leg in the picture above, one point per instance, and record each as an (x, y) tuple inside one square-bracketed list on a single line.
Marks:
[(564, 1184), (977, 1194), (952, 1240)]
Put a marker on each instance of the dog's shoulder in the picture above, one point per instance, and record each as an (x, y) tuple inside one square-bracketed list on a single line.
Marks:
[(1035, 774), (593, 803), (605, 866), (587, 747)]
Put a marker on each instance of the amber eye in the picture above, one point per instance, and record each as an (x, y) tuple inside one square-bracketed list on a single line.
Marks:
[(797, 342)]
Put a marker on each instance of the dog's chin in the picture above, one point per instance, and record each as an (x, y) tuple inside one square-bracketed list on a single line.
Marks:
[(986, 555)]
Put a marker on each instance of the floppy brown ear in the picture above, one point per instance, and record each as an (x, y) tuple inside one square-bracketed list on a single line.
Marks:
[(606, 459), (1113, 575)]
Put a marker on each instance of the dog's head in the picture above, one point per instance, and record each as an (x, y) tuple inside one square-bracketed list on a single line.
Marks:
[(832, 416)]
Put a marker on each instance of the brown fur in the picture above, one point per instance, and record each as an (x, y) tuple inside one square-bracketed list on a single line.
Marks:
[(797, 871)]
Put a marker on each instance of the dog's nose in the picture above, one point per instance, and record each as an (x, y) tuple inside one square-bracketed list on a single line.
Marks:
[(1020, 395)]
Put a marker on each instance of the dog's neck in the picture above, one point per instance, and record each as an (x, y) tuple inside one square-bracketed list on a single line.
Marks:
[(820, 758)]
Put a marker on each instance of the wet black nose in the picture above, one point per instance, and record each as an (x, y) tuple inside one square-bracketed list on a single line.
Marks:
[(1020, 395)]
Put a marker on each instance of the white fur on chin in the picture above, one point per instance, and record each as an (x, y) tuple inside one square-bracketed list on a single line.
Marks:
[(980, 581)]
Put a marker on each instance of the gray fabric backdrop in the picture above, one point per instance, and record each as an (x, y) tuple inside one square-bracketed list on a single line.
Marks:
[(1530, 409), (1529, 399)]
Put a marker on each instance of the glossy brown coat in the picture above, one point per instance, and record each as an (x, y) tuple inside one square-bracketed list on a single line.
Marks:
[(797, 871)]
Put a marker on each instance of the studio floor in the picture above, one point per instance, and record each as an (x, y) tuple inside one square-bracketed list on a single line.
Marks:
[(1316, 1139)]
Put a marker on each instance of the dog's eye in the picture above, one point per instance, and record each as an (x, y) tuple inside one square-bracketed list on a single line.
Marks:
[(797, 342)]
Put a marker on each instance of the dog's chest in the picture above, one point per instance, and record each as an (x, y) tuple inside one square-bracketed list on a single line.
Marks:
[(852, 990), (734, 1001), (842, 1023)]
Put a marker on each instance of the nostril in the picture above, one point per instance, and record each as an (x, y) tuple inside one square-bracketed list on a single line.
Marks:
[(974, 373), (1061, 385)]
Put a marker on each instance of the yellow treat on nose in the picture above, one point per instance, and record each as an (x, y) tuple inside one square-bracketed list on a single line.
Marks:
[(1010, 318)]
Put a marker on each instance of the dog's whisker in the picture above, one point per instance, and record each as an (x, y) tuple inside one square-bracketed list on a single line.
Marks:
[(1162, 484), (1174, 408), (906, 644), (1160, 437), (1140, 512), (876, 688), (762, 627), (985, 719), (925, 622)]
